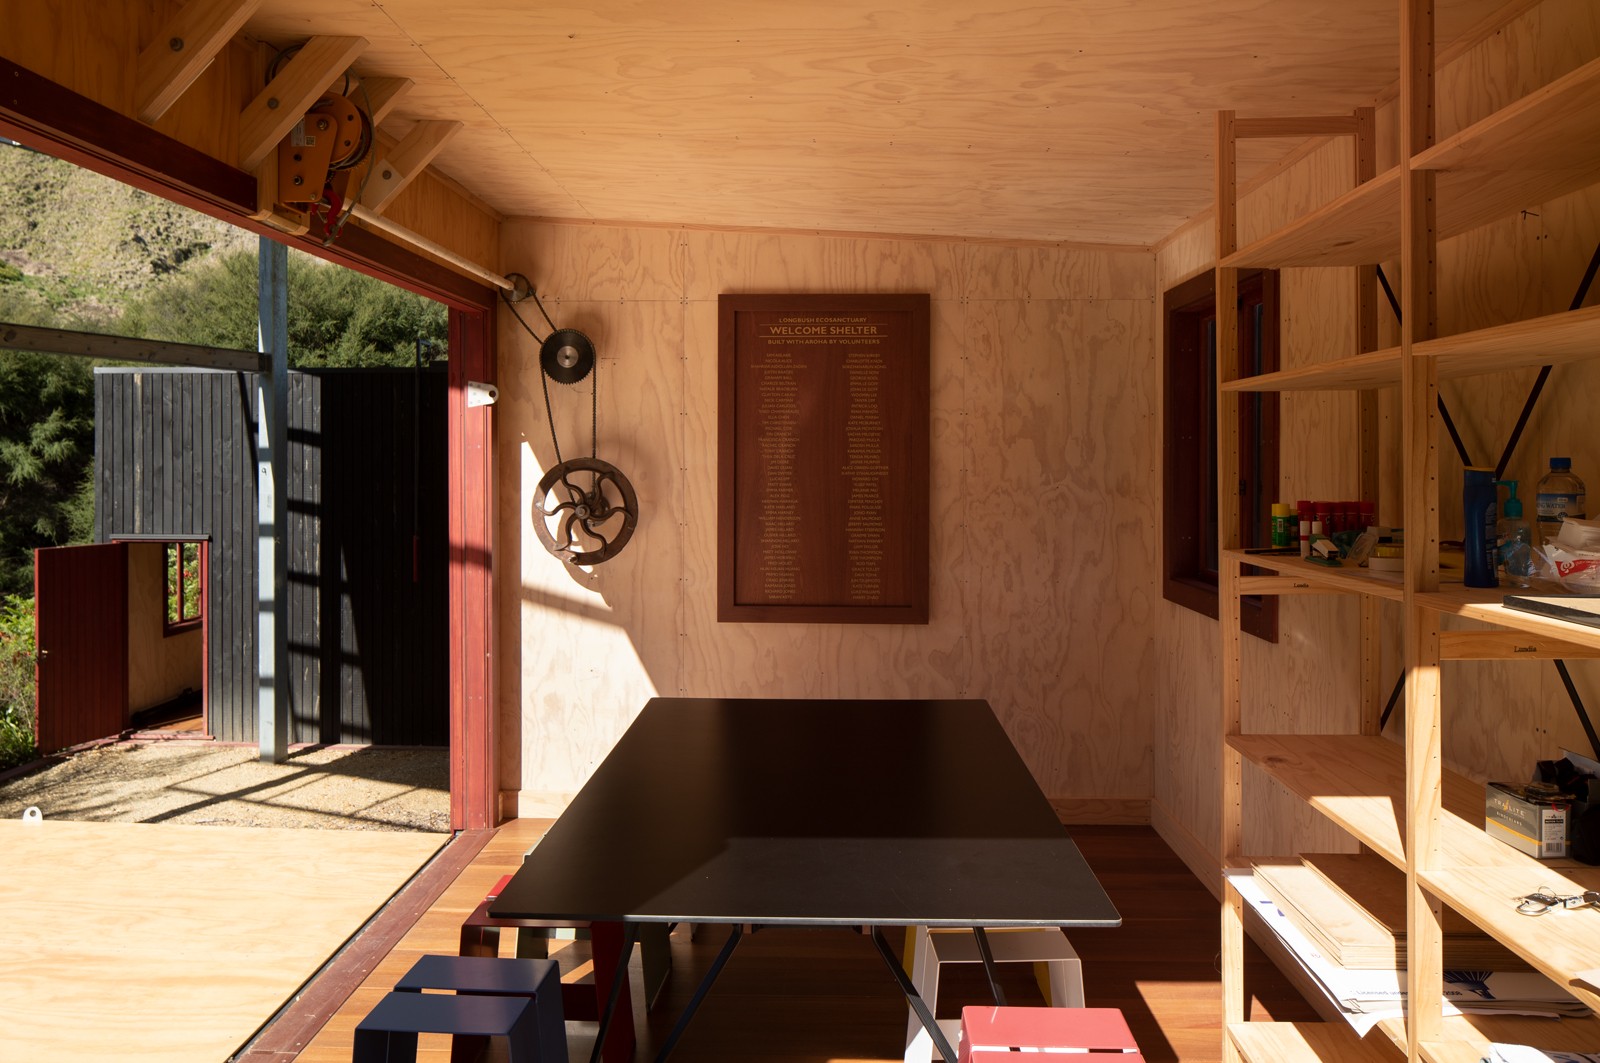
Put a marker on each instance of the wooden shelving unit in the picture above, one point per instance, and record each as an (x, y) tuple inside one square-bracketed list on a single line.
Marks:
[(1555, 339), (1298, 576), (1395, 797)]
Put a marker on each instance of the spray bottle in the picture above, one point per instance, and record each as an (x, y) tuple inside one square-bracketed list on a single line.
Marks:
[(1515, 538)]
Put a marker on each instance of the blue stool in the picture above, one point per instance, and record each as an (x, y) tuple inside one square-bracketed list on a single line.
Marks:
[(519, 1000)]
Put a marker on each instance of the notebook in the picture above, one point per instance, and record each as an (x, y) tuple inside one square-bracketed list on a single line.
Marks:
[(1576, 608)]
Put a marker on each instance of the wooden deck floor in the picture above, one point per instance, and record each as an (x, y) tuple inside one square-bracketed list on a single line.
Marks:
[(175, 943), (790, 996)]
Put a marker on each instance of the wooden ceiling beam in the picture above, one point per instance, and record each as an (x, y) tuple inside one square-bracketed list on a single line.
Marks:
[(380, 95), (405, 162), (1315, 126), (268, 118), (182, 49)]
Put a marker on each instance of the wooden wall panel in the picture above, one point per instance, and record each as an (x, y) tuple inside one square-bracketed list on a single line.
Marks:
[(1043, 546), (1313, 180)]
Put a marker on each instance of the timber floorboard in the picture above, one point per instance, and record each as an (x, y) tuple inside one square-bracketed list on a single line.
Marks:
[(809, 996)]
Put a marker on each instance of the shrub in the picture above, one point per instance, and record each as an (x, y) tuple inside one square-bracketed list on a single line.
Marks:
[(16, 681)]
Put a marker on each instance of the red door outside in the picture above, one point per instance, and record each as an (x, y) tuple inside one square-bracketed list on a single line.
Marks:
[(80, 596)]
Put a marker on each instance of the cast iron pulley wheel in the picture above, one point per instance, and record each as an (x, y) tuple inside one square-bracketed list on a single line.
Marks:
[(584, 511)]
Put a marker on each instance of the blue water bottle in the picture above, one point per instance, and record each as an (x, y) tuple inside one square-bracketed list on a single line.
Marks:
[(1478, 494)]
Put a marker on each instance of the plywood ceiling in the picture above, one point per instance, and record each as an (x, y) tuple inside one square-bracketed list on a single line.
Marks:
[(1062, 120)]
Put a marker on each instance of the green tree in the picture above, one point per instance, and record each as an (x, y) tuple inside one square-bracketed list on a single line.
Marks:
[(337, 317), (16, 680), (46, 459)]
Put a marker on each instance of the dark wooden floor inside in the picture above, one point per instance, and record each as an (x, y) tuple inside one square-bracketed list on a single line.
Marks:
[(825, 996)]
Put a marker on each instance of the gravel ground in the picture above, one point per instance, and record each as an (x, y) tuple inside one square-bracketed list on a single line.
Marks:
[(190, 781)]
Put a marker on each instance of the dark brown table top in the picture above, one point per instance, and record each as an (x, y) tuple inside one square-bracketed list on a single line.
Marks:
[(811, 812)]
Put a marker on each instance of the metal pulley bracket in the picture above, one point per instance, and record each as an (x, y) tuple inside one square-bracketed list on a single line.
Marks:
[(584, 509)]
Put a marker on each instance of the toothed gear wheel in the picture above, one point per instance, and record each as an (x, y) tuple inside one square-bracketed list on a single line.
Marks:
[(584, 511), (566, 356)]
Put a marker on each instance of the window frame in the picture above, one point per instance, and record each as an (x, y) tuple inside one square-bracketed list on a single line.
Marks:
[(185, 621), (1189, 474)]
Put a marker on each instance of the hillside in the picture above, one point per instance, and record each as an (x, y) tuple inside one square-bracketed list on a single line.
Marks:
[(86, 245)]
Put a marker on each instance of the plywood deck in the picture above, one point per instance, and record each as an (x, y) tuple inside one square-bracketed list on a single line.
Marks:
[(174, 943)]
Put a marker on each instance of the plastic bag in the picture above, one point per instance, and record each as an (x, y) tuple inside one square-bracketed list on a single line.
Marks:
[(1574, 557)]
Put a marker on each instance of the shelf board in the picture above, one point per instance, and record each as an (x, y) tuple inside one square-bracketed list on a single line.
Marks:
[(1292, 1042), (1466, 1038), (1358, 228), (1358, 781), (1310, 578), (1376, 369), (1569, 336), (1488, 606), (1559, 943), (1554, 339), (1551, 130), (1543, 146)]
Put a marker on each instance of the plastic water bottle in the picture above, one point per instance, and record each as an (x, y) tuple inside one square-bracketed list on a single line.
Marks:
[(1560, 496), (1515, 540)]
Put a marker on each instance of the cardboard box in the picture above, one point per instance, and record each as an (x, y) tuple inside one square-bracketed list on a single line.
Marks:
[(1527, 817)]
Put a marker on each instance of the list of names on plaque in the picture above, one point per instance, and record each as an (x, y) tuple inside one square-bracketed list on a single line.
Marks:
[(779, 417), (824, 437), (865, 471)]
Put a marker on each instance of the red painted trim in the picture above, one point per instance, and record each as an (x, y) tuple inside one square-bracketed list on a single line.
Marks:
[(473, 725), (44, 115)]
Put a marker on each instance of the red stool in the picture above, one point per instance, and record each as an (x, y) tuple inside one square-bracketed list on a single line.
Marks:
[(480, 936), (990, 1035)]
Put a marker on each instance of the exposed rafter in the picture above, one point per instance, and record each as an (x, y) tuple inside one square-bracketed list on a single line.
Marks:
[(182, 49), (403, 163), (268, 118), (379, 96)]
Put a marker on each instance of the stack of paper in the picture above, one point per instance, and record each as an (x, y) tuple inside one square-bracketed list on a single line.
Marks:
[(1367, 996), (1317, 891)]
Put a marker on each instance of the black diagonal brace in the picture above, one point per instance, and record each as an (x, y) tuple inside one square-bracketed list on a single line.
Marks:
[(1577, 705), (1544, 373), (1444, 411)]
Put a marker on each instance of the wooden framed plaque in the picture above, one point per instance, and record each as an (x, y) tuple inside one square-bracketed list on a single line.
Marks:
[(822, 447)]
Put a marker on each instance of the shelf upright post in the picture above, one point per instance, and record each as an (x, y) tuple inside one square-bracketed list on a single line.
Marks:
[(1227, 348), (1419, 386), (1364, 152)]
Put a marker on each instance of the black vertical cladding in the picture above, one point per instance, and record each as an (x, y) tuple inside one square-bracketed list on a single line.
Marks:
[(175, 455)]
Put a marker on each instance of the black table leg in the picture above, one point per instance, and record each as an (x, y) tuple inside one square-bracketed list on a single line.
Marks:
[(988, 966), (700, 992), (914, 998), (630, 935)]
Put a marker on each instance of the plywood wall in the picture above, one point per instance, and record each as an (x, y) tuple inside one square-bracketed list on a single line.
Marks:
[(1499, 718), (160, 667), (1043, 509)]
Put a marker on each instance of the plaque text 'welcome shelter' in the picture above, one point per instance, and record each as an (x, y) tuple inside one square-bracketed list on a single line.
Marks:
[(823, 459)]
